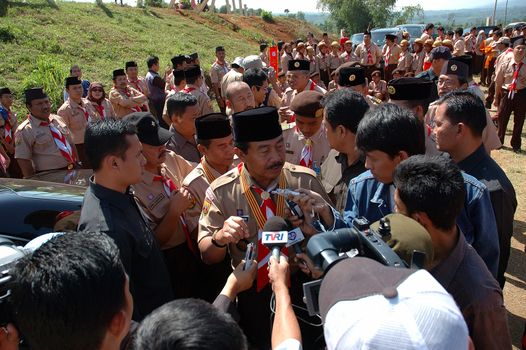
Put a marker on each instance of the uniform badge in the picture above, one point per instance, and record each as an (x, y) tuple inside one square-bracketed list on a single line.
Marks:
[(206, 206), (391, 90), (297, 64), (352, 77), (454, 68), (239, 212)]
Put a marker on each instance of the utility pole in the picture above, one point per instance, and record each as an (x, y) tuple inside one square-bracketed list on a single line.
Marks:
[(506, 12), (495, 13)]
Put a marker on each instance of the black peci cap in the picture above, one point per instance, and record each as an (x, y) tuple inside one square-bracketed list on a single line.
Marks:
[(118, 72), (212, 126), (34, 94), (148, 129), (299, 65), (409, 89), (258, 124), (351, 76)]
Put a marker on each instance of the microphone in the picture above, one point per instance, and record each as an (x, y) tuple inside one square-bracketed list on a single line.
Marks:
[(295, 237), (275, 235)]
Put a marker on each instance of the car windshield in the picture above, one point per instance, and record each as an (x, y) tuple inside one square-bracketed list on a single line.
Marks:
[(357, 38), (378, 37), (414, 31)]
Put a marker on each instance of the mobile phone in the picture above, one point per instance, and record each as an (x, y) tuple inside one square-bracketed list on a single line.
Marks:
[(249, 256)]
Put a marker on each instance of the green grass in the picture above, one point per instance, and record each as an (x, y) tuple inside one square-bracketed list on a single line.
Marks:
[(40, 39)]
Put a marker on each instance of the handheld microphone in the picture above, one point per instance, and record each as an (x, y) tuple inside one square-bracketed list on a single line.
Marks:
[(275, 235)]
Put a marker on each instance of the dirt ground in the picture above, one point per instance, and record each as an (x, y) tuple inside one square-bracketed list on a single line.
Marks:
[(515, 288)]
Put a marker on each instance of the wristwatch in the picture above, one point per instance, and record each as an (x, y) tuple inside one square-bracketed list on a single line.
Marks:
[(214, 242)]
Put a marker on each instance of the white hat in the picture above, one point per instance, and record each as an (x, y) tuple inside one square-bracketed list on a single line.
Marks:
[(238, 61), (366, 305), (252, 61)]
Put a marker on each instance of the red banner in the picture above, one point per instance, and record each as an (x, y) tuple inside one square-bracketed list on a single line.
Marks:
[(273, 59)]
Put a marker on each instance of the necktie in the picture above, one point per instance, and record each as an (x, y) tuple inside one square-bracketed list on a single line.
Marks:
[(61, 142), (513, 86), (268, 209), (306, 154), (170, 188)]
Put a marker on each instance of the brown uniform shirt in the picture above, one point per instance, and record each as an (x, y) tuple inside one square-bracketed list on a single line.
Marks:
[(74, 115), (118, 97), (394, 54), (225, 198), (418, 62), (181, 146), (361, 53), (489, 134), (218, 71), (289, 94), (505, 70), (459, 48), (381, 87), (334, 61), (107, 109), (34, 142), (348, 57), (465, 276), (197, 183), (155, 201), (405, 61), (203, 101), (140, 85), (285, 58), (295, 141), (323, 61)]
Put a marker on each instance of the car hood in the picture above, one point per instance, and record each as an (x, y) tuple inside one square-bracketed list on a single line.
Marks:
[(42, 189)]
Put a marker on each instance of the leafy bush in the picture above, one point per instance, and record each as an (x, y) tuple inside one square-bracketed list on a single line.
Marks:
[(267, 16), (49, 73), (153, 3)]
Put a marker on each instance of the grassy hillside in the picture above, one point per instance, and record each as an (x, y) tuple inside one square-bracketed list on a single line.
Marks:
[(40, 39)]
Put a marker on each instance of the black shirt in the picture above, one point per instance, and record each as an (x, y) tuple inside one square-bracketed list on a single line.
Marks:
[(117, 215), (481, 166)]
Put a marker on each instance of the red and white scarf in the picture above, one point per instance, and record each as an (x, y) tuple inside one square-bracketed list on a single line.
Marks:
[(61, 142), (513, 86), (306, 154)]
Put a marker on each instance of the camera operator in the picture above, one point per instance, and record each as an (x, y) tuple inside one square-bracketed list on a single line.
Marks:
[(431, 191), (72, 293), (366, 305)]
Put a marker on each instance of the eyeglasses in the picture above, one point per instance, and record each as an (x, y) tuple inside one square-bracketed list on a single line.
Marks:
[(97, 90)]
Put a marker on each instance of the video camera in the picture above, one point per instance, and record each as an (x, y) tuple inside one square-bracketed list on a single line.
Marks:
[(328, 248)]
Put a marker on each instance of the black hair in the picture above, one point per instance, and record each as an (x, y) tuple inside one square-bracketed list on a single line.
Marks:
[(432, 185), (205, 143), (151, 61), (440, 28), (65, 294), (430, 26), (189, 324), (73, 66), (498, 33), (254, 77), (450, 33), (466, 108), (391, 129), (178, 102), (243, 146), (345, 107), (459, 31), (178, 79), (107, 137), (412, 104)]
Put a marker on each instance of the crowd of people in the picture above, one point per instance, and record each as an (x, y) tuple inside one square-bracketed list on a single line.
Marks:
[(181, 186)]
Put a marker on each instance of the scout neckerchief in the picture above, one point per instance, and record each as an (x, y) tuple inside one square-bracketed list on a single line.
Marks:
[(61, 142), (170, 188), (387, 54), (262, 213), (8, 131), (128, 94), (101, 110), (135, 83), (189, 89), (312, 85), (369, 55), (206, 170), (513, 86), (306, 154)]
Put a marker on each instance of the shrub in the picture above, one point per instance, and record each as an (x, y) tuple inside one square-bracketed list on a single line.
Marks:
[(267, 16), (49, 73)]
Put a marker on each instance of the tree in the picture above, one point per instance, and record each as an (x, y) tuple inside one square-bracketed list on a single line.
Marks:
[(408, 13), (359, 15), (286, 11), (301, 16)]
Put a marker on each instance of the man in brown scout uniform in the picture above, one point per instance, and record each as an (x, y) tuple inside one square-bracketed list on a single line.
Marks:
[(164, 203), (75, 113), (306, 143), (405, 60), (125, 99), (369, 54), (245, 193), (215, 142), (134, 80), (299, 79), (192, 75), (8, 126), (354, 78), (43, 141), (391, 52), (219, 68)]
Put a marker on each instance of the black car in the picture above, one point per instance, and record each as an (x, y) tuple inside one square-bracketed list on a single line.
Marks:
[(31, 208)]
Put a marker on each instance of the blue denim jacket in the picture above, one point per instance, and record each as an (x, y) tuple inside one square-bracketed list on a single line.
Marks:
[(369, 198)]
